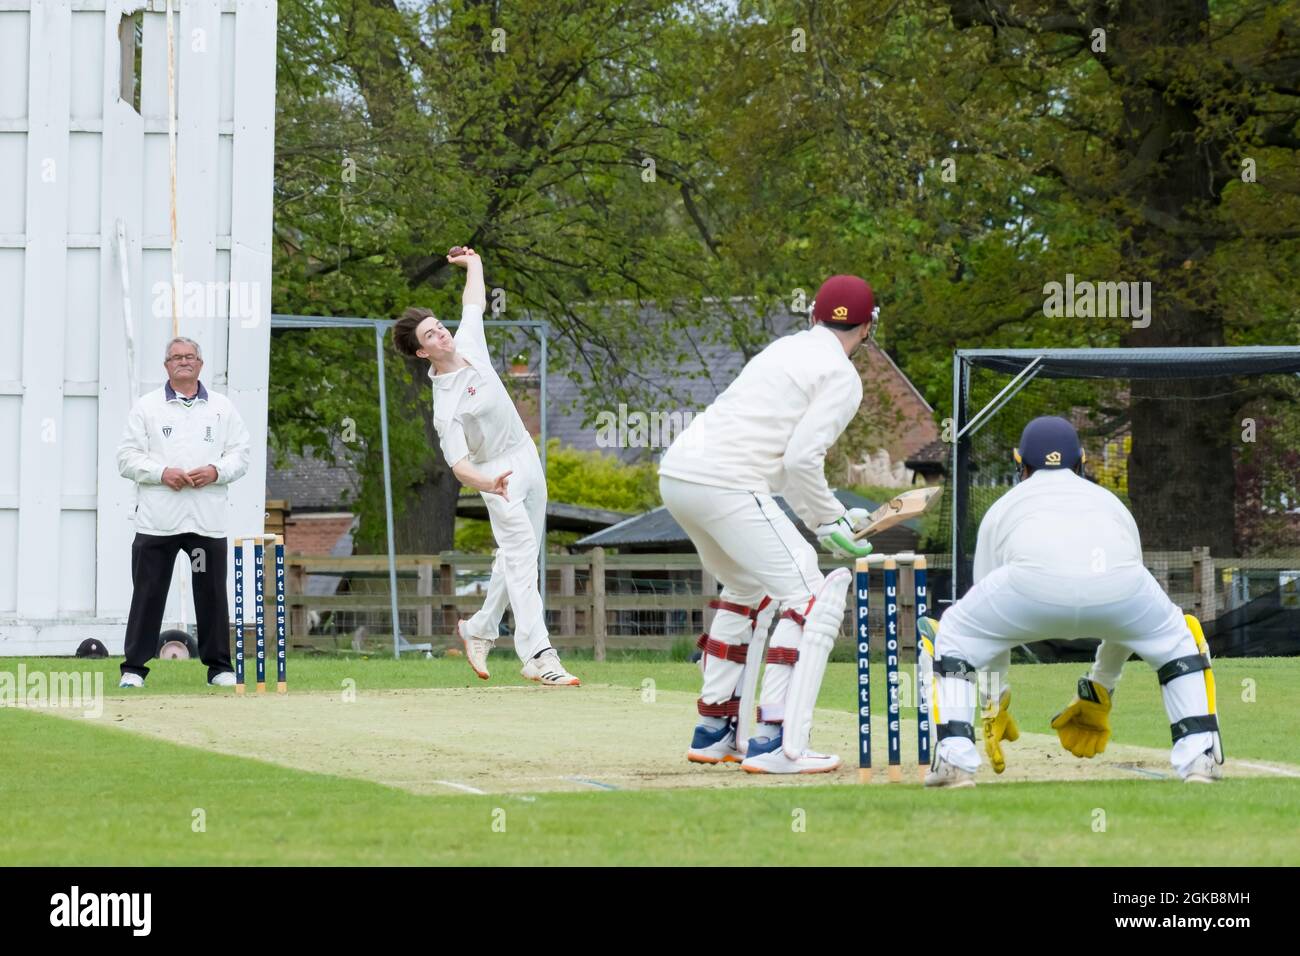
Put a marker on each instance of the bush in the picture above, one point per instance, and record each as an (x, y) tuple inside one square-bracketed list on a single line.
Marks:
[(594, 480), (575, 477)]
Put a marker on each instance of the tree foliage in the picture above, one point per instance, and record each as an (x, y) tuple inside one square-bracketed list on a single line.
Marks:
[(958, 154)]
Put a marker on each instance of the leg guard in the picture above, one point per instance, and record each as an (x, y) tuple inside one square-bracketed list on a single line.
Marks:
[(782, 653), (760, 625), (820, 625), (953, 706), (725, 656), (1187, 684)]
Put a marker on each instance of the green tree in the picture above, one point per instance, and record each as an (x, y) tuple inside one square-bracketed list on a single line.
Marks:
[(552, 137), (964, 154)]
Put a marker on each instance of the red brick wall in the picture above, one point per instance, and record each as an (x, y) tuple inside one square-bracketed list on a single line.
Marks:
[(315, 535), (906, 425)]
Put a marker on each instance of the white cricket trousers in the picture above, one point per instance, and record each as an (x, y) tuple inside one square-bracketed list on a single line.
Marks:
[(746, 541), (518, 525), (1007, 608)]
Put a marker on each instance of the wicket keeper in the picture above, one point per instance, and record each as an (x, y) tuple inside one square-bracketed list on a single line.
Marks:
[(1060, 557)]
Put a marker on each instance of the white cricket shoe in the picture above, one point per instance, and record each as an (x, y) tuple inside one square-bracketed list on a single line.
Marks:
[(775, 761), (546, 668), (224, 679), (714, 745), (1203, 770), (944, 774), (476, 650), (131, 680)]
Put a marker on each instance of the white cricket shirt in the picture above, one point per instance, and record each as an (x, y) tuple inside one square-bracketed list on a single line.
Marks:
[(1065, 537), (769, 431), (472, 411)]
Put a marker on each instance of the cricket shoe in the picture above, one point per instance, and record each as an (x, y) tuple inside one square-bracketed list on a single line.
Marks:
[(476, 650), (1203, 770), (546, 668), (131, 680), (714, 745), (224, 679), (944, 774), (765, 755)]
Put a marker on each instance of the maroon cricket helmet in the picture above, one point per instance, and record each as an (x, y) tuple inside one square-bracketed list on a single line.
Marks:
[(845, 299)]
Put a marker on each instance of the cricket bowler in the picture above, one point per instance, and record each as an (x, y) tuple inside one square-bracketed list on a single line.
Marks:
[(489, 449)]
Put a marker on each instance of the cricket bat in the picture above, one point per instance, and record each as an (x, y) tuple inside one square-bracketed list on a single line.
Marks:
[(899, 509)]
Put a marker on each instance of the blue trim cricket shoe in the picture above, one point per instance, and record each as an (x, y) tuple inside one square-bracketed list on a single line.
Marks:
[(763, 745), (714, 745)]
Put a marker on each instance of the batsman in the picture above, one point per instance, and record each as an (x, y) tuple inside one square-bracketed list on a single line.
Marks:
[(768, 434), (1060, 557)]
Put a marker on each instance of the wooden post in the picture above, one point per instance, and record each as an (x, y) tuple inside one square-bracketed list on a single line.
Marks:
[(906, 607), (1209, 581), (424, 588), (1160, 570), (447, 585), (1203, 596), (568, 588), (295, 584), (598, 622)]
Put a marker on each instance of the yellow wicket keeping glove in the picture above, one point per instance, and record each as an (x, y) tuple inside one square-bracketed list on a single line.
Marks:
[(1084, 726), (999, 725)]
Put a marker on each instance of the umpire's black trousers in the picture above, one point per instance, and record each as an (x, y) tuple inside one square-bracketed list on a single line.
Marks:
[(152, 559)]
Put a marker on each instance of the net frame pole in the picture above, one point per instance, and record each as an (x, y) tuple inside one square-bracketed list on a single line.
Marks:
[(960, 443), (985, 414), (380, 327), (388, 494)]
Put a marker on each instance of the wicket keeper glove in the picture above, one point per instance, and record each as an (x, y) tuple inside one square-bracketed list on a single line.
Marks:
[(1084, 726), (999, 725), (837, 538)]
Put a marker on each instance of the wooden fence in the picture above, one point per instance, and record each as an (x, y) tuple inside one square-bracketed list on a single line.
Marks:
[(601, 600), (592, 600)]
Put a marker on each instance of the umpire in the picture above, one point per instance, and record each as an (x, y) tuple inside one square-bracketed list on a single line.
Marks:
[(182, 446)]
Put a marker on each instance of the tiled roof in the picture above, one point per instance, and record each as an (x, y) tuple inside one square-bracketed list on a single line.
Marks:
[(685, 388), (937, 452), (659, 527), (310, 484)]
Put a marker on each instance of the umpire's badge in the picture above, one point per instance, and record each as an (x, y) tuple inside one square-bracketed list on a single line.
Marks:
[(208, 437), (1054, 458), (167, 431)]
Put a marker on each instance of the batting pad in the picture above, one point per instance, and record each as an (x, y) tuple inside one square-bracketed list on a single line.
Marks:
[(821, 624)]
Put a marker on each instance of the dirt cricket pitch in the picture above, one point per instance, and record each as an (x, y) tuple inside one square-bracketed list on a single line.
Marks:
[(532, 739)]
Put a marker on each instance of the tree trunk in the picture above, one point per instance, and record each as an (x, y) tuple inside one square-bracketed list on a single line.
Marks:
[(428, 524), (1181, 479)]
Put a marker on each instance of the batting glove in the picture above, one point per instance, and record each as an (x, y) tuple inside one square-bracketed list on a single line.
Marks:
[(837, 538), (1084, 726), (858, 518)]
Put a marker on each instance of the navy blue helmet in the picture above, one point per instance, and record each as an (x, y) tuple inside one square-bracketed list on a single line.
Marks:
[(1050, 442)]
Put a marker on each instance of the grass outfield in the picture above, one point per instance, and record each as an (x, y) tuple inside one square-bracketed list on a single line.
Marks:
[(84, 792)]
